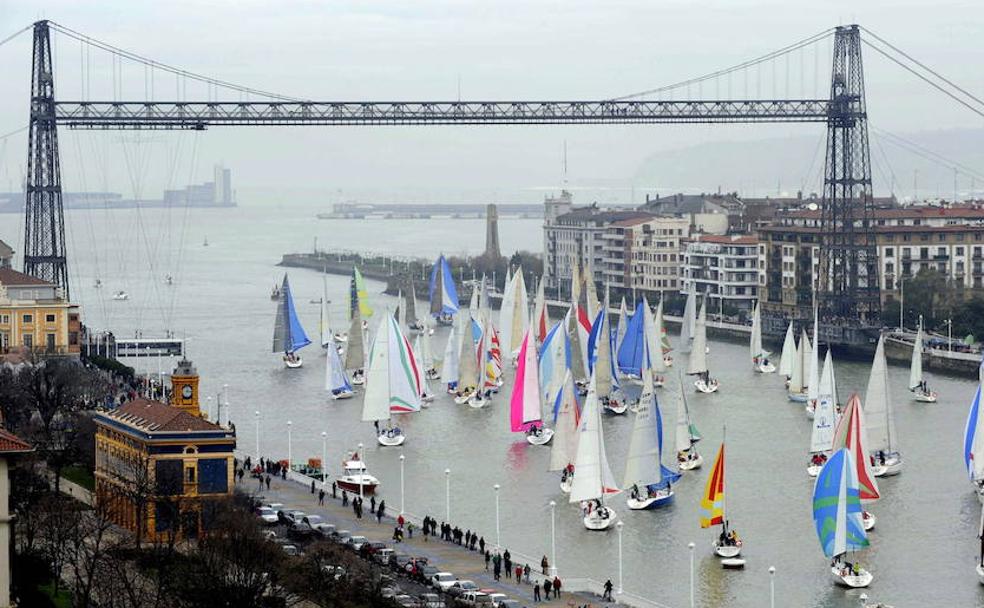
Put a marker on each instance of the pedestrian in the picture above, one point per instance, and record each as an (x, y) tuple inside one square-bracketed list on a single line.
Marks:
[(608, 590), (400, 521), (526, 572), (546, 589), (467, 538), (410, 529), (268, 482), (396, 534), (536, 591), (312, 486), (556, 586), (519, 573), (481, 544), (381, 510), (321, 498), (283, 473), (344, 498), (372, 504), (496, 569), (488, 558), (333, 486), (379, 516), (544, 564)]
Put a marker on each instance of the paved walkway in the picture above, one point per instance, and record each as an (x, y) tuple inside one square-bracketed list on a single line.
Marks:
[(449, 557)]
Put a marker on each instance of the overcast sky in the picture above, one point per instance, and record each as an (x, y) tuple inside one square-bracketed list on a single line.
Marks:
[(497, 50)]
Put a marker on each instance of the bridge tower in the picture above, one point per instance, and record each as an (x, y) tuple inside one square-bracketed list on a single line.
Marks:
[(847, 286), (492, 249), (44, 220)]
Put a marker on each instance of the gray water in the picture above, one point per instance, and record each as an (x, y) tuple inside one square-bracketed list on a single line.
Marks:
[(922, 550)]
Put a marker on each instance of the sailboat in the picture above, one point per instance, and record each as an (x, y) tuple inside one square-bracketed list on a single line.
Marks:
[(973, 447), (687, 436), (648, 481), (336, 380), (824, 421), (632, 348), (288, 334), (541, 316), (917, 384), (355, 350), (664, 338), (358, 295), (426, 396), (713, 512), (980, 558), (697, 363), (851, 434), (813, 371), (593, 481), (443, 295), (324, 322), (392, 383), (689, 326), (600, 364), (760, 356), (410, 304), (655, 335), (514, 315), (789, 355), (883, 440), (798, 390), (837, 519), (468, 363), (622, 326), (451, 361), (426, 354), (525, 405), (563, 451)]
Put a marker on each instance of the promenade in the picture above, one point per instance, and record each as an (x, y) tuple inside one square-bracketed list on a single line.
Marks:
[(295, 494)]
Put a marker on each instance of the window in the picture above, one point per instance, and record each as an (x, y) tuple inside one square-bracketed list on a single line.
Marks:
[(5, 319), (27, 318), (889, 252), (28, 340), (49, 318), (960, 251), (190, 474)]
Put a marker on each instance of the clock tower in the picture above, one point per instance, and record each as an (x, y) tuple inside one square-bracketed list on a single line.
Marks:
[(184, 388)]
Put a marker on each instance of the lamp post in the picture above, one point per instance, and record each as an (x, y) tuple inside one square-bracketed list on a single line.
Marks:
[(290, 459), (553, 538), (901, 302), (949, 335), (618, 526), (256, 415), (362, 472), (692, 599), (497, 543), (208, 407), (447, 495), (402, 495), (772, 587), (324, 457)]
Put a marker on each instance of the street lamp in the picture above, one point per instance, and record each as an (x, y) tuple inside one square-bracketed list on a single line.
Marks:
[(447, 495), (402, 495), (256, 415), (618, 526), (949, 335), (324, 459), (362, 474), (496, 488), (772, 587), (692, 599), (553, 539), (290, 454)]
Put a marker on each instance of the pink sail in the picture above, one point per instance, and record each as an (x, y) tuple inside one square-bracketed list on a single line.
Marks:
[(524, 405)]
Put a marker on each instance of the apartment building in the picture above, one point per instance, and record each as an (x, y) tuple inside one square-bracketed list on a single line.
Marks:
[(725, 267), (642, 255)]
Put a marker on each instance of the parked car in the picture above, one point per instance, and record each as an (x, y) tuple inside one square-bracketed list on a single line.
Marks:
[(295, 516), (459, 588), (425, 574), (356, 542), (266, 515), (374, 547), (335, 572), (300, 532), (291, 550), (496, 597), (476, 598), (275, 506), (326, 530), (442, 581), (382, 556), (312, 520), (269, 535), (390, 592), (509, 604), (406, 601), (399, 560), (342, 536), (430, 600)]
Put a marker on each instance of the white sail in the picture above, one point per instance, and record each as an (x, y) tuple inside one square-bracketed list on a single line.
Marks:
[(553, 362), (788, 352), (419, 363), (452, 352), (540, 320), (683, 439), (592, 293), (325, 324), (507, 310), (697, 362), (565, 440), (642, 466), (468, 356), (603, 361), (825, 415), (813, 373), (878, 405), (689, 325), (593, 476), (828, 381), (335, 378), (426, 356), (355, 350), (375, 404), (797, 380), (520, 317), (755, 345), (623, 324), (653, 330), (915, 368)]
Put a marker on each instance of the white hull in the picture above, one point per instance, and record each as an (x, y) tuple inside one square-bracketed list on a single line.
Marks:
[(342, 395), (391, 440), (463, 399), (477, 402), (810, 409), (595, 521), (350, 483), (690, 465), (565, 486), (542, 438), (797, 397), (980, 574), (703, 387), (766, 369), (727, 551), (341, 338), (294, 363), (868, 520), (813, 470), (617, 409), (667, 361), (358, 380), (925, 397), (659, 499), (854, 581), (735, 563), (426, 398), (891, 467)]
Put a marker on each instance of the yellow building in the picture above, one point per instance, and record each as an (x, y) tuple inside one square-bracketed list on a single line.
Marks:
[(35, 317), (161, 468)]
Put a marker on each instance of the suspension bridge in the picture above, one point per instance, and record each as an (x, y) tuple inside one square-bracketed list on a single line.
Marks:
[(847, 287)]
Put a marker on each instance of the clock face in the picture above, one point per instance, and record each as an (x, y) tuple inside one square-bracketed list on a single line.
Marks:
[(186, 391)]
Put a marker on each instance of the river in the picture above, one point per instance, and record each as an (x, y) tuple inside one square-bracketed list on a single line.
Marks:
[(922, 550)]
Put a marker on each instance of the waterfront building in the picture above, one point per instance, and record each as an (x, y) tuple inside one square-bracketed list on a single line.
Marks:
[(949, 240), (707, 213), (724, 268), (161, 468), (35, 316), (6, 255), (11, 446), (642, 256)]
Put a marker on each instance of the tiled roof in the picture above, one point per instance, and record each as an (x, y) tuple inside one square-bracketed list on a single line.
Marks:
[(724, 239), (904, 213), (9, 276), (148, 415), (10, 443), (606, 216), (880, 229)]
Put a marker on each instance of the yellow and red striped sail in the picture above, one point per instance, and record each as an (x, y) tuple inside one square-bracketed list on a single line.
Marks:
[(712, 504)]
